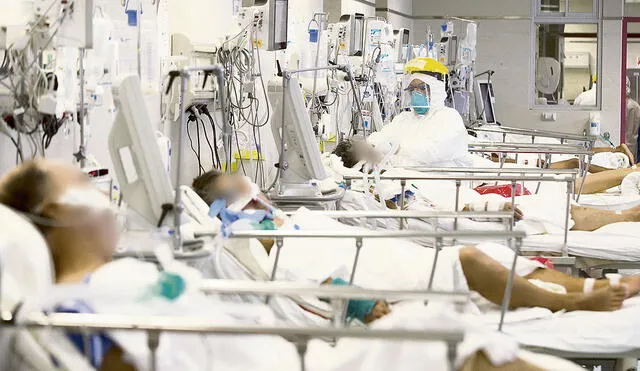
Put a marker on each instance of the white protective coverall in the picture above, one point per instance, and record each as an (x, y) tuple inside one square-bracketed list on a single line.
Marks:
[(587, 98), (633, 126), (436, 139)]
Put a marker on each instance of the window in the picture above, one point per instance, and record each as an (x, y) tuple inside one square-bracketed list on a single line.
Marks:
[(566, 54), (566, 7)]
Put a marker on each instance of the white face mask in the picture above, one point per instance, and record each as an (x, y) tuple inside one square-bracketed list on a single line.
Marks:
[(79, 197), (86, 197)]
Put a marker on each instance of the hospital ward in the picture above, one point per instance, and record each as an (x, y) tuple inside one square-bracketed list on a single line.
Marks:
[(319, 185)]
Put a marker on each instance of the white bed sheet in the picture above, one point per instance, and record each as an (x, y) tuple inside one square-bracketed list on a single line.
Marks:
[(187, 352), (585, 332), (611, 200), (618, 241)]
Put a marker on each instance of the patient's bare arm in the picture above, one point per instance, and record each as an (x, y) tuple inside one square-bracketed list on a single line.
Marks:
[(114, 361)]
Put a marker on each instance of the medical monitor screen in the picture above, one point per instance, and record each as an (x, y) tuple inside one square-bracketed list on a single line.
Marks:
[(405, 37), (301, 151), (278, 24), (136, 157), (486, 92)]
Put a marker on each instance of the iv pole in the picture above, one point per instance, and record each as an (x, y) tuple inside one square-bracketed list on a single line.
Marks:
[(185, 76)]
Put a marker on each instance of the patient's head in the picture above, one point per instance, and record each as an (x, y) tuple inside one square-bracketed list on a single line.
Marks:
[(74, 217), (214, 185), (352, 151)]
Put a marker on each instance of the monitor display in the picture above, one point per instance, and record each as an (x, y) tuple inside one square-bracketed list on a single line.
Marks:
[(301, 151), (485, 109), (135, 153)]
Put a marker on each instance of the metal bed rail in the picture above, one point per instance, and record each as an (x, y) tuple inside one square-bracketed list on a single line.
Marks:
[(407, 214), (530, 148), (584, 152), (499, 171), (490, 170), (469, 177), (513, 239), (155, 325), (513, 179), (286, 288), (533, 133)]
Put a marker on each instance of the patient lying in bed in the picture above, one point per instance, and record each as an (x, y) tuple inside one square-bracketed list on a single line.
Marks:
[(80, 230), (354, 152), (481, 268)]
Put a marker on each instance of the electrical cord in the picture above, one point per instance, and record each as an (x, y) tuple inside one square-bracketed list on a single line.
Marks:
[(27, 81), (204, 110), (264, 90), (244, 171), (192, 118), (50, 127), (206, 137)]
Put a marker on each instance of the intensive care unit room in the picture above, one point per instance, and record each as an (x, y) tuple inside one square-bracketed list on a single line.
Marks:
[(319, 185)]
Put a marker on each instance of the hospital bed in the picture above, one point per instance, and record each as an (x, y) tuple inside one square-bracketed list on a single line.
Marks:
[(36, 336), (547, 150), (27, 273), (474, 175), (571, 249), (513, 326), (513, 239)]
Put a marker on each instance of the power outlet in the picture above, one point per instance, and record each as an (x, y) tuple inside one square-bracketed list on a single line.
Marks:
[(549, 116)]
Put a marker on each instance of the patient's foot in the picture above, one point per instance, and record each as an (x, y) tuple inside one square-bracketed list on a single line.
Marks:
[(606, 299)]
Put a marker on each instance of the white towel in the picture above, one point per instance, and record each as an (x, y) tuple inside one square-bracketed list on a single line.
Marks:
[(631, 185)]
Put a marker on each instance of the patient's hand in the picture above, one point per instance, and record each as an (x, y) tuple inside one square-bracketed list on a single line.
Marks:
[(509, 207), (380, 310)]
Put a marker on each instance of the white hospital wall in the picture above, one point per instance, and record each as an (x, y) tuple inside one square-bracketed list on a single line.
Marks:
[(398, 13), (504, 46), (100, 119), (368, 8)]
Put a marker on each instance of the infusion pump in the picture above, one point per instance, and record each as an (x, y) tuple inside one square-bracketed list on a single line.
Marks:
[(267, 23)]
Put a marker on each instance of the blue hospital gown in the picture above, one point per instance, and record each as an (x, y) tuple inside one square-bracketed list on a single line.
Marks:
[(99, 344)]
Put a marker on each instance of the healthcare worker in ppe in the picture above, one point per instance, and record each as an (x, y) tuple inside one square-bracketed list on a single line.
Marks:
[(587, 98), (427, 133), (632, 121)]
